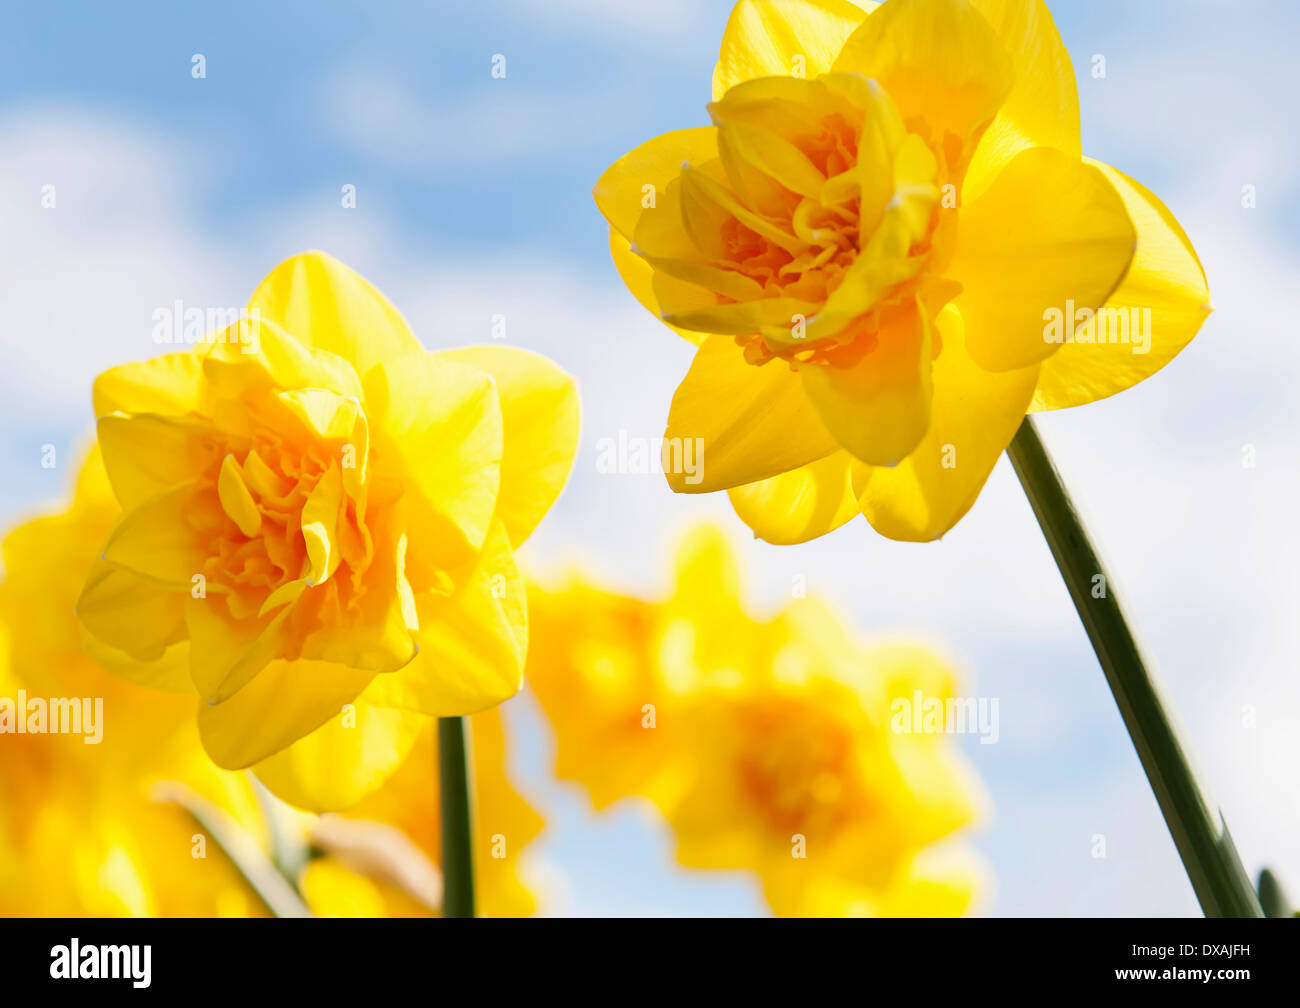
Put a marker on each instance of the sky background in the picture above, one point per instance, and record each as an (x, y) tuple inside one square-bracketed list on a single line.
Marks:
[(473, 200)]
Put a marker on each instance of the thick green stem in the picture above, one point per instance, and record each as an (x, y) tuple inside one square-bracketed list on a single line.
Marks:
[(1199, 831), (453, 789)]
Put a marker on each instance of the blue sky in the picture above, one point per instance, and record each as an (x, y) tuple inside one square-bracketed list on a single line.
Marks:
[(473, 200)]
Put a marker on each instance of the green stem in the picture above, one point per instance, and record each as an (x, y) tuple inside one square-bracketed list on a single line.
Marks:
[(1198, 829), (1271, 896), (453, 789)]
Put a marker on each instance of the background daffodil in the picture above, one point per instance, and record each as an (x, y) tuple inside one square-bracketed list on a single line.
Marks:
[(318, 524), (82, 832), (767, 744), (104, 829), (866, 245)]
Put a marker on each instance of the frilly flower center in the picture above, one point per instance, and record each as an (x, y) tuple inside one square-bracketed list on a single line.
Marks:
[(285, 514), (820, 219), (801, 777)]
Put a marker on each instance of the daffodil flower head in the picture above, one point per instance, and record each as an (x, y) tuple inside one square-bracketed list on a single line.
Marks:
[(869, 245), (767, 744), (315, 508)]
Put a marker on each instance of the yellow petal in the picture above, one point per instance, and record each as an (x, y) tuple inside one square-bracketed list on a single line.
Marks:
[(168, 384), (973, 415), (236, 499), (775, 317), (343, 760), (784, 38), (539, 413), (1165, 280), (636, 182), (320, 526), (1049, 236), (332, 889), (640, 278), (378, 632), (472, 643), (158, 540), (801, 504), (226, 653), (325, 414), (275, 358), (707, 204), (442, 421), (940, 62), (281, 704), (739, 423), (879, 407), (752, 153), (328, 419), (146, 453), (1042, 108), (698, 640), (171, 672), (324, 304), (706, 574), (130, 614)]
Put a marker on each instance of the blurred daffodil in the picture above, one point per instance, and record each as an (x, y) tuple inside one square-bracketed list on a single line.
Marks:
[(888, 249), (768, 745), (318, 525), (82, 829)]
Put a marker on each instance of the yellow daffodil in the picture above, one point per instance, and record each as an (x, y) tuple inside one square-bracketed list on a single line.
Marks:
[(82, 832), (504, 825), (768, 745), (318, 525), (888, 249), (85, 829)]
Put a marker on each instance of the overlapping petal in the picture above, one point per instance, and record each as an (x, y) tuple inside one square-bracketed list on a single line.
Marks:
[(284, 702), (973, 415), (443, 423), (1072, 245), (749, 425), (539, 412), (784, 38), (329, 306), (1164, 299), (1042, 107), (941, 62), (348, 757), (472, 642), (801, 504)]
